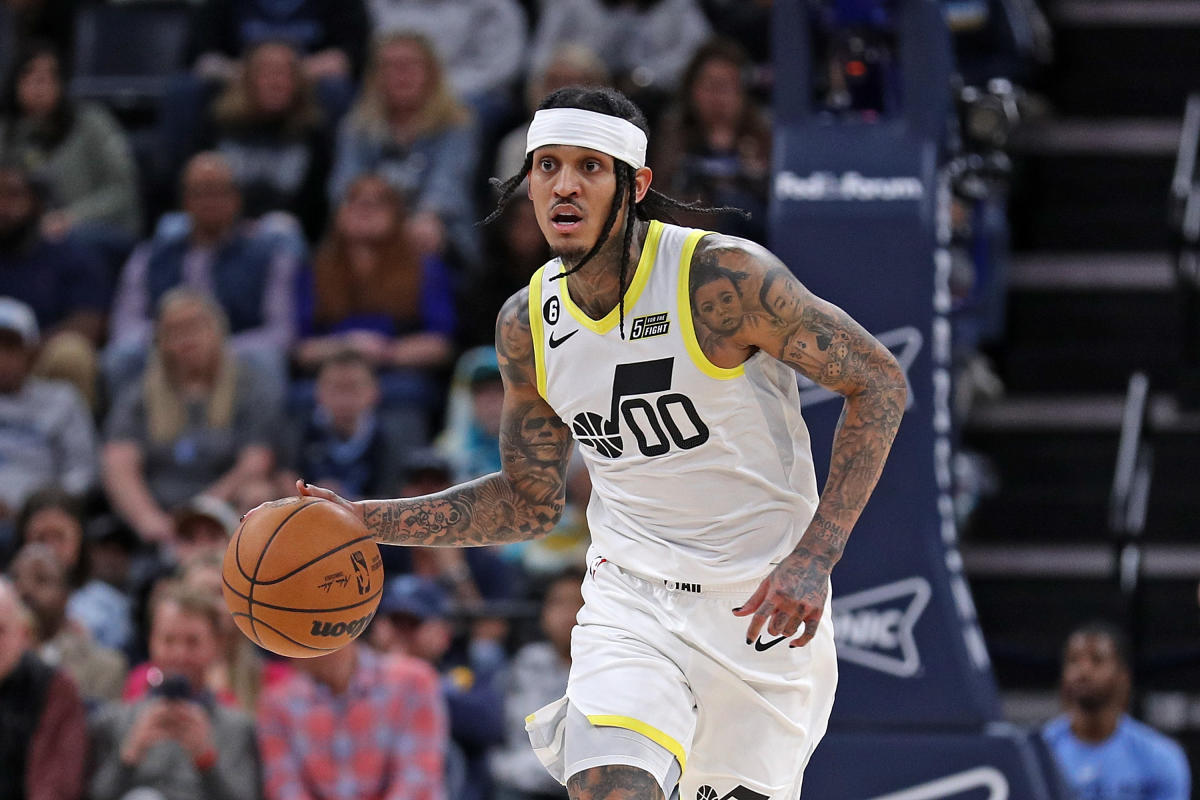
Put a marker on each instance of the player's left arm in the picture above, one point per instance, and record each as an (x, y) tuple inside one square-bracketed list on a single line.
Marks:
[(823, 343)]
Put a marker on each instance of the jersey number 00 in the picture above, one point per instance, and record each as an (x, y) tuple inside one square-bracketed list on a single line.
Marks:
[(670, 421)]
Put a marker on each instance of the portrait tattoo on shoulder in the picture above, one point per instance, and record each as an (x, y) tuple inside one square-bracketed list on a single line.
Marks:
[(514, 340)]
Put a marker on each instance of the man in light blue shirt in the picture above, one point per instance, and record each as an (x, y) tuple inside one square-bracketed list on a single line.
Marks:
[(1105, 754)]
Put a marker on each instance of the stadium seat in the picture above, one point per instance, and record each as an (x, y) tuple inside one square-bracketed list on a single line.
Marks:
[(124, 54)]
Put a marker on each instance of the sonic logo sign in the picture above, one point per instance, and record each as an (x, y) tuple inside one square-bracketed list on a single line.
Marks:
[(874, 628), (962, 785)]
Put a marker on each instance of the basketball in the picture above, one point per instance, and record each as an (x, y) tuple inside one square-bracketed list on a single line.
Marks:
[(302, 576)]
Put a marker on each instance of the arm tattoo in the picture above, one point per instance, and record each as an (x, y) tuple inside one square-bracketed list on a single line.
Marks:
[(525, 499), (821, 342), (613, 782)]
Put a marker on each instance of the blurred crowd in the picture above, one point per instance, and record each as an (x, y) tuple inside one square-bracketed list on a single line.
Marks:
[(278, 273)]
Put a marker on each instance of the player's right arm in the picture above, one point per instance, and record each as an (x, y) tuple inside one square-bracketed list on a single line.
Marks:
[(524, 500)]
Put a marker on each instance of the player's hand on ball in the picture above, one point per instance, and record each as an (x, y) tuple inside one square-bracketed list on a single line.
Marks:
[(308, 490), (792, 595)]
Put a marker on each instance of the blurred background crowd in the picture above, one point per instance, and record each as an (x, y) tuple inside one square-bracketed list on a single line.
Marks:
[(239, 246)]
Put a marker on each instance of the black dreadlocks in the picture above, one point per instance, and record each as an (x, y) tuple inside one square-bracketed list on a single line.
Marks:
[(655, 205)]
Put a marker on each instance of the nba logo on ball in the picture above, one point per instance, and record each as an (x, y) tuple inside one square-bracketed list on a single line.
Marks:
[(302, 576)]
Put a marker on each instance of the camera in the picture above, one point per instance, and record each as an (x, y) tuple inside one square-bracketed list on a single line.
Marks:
[(173, 687)]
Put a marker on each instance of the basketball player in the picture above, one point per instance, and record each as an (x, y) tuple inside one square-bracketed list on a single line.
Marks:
[(705, 509)]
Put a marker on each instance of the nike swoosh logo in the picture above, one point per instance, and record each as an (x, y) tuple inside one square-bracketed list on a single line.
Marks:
[(556, 342), (760, 645)]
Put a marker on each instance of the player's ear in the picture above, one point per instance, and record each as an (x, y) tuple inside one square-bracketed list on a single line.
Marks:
[(641, 182)]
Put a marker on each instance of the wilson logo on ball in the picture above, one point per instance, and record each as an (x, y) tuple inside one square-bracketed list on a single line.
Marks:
[(322, 628)]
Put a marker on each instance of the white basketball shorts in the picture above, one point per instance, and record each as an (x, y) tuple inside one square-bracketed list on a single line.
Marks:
[(668, 660)]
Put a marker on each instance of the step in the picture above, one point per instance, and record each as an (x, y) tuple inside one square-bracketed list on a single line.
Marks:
[(1083, 322), (1091, 199), (1123, 57)]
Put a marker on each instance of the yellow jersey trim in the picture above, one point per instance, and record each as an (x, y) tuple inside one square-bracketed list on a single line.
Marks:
[(685, 315), (536, 331), (641, 277), (649, 731)]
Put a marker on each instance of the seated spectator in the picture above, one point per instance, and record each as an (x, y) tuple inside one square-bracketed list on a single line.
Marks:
[(43, 731), (243, 670), (177, 741), (197, 423), (714, 143), (537, 677), (471, 439), (269, 128), (470, 574), (66, 288), (344, 443), (371, 293), (513, 250), (251, 274), (414, 620), (77, 147), (1104, 754), (41, 582), (644, 44), (46, 434), (481, 42), (569, 65), (409, 127), (98, 603), (354, 724)]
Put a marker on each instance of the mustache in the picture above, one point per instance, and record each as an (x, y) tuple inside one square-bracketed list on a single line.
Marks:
[(564, 203)]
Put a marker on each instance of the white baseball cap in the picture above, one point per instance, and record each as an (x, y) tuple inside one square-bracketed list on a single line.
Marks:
[(18, 317)]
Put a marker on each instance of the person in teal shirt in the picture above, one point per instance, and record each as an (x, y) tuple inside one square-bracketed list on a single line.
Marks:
[(1105, 754)]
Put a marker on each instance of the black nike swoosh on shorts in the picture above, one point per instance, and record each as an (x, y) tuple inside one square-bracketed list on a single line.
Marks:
[(556, 342), (760, 645)]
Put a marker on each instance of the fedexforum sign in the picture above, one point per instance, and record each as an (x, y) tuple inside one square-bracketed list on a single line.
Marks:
[(851, 186)]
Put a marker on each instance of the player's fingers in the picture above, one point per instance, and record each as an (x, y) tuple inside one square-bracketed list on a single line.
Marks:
[(781, 621), (757, 622), (810, 630), (751, 605)]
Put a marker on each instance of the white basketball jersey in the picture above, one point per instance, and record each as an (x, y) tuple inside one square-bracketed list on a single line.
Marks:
[(699, 473)]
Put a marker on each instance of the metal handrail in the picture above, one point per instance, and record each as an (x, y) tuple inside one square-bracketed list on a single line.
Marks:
[(1189, 142), (1132, 459)]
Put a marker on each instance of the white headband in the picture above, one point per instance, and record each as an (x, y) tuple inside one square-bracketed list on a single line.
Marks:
[(617, 137)]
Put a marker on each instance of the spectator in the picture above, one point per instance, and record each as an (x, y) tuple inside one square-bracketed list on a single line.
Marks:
[(645, 43), (372, 293), (481, 42), (251, 274), (354, 724), (79, 148), (748, 23), (408, 126), (1105, 754), (46, 434), (414, 620), (239, 675), (43, 733), (271, 130), (55, 518), (569, 65), (177, 741), (67, 290), (514, 249), (537, 677), (714, 143), (345, 442), (198, 422), (471, 439), (41, 582)]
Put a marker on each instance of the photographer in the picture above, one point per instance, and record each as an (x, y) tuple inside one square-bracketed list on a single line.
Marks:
[(177, 743)]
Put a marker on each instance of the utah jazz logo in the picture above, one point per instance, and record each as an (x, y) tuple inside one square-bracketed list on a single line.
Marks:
[(671, 420), (706, 792), (361, 573)]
